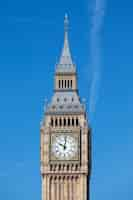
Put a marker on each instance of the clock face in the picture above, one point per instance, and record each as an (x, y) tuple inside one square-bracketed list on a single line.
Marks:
[(64, 147)]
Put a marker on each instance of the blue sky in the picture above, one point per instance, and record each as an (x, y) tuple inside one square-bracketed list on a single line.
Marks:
[(31, 37)]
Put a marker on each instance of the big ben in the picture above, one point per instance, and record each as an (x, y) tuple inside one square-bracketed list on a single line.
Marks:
[(65, 135)]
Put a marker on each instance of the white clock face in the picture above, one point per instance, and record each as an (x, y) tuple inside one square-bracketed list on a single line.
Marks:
[(65, 147)]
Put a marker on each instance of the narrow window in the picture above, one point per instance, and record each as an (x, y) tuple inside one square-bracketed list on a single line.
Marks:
[(68, 121), (52, 122), (77, 122), (62, 84), (68, 84), (64, 122), (72, 122), (65, 83), (59, 83), (59, 168), (56, 122), (71, 84)]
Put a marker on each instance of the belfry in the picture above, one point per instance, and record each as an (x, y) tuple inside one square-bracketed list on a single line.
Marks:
[(65, 136)]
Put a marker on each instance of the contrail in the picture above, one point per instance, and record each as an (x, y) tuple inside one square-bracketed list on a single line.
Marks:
[(97, 22)]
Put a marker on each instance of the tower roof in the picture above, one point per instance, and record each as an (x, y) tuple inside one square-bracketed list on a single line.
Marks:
[(65, 63)]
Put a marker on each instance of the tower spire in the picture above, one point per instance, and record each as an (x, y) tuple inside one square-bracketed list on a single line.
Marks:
[(66, 23), (65, 62)]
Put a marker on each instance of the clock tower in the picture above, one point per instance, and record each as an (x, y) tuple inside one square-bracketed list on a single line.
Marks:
[(65, 136)]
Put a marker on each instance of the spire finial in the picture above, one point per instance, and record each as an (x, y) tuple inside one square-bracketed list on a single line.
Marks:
[(66, 23), (66, 63)]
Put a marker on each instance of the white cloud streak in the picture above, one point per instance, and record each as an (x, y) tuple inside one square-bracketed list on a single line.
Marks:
[(97, 22)]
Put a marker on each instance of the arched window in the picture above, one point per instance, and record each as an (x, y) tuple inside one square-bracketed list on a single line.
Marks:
[(77, 122), (65, 83), (68, 121), (68, 83), (72, 122), (59, 169), (62, 83), (52, 122), (71, 84), (56, 122), (59, 83), (64, 122), (76, 168)]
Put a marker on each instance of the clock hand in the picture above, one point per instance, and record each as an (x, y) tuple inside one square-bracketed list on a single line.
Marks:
[(65, 139), (61, 144), (65, 142)]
